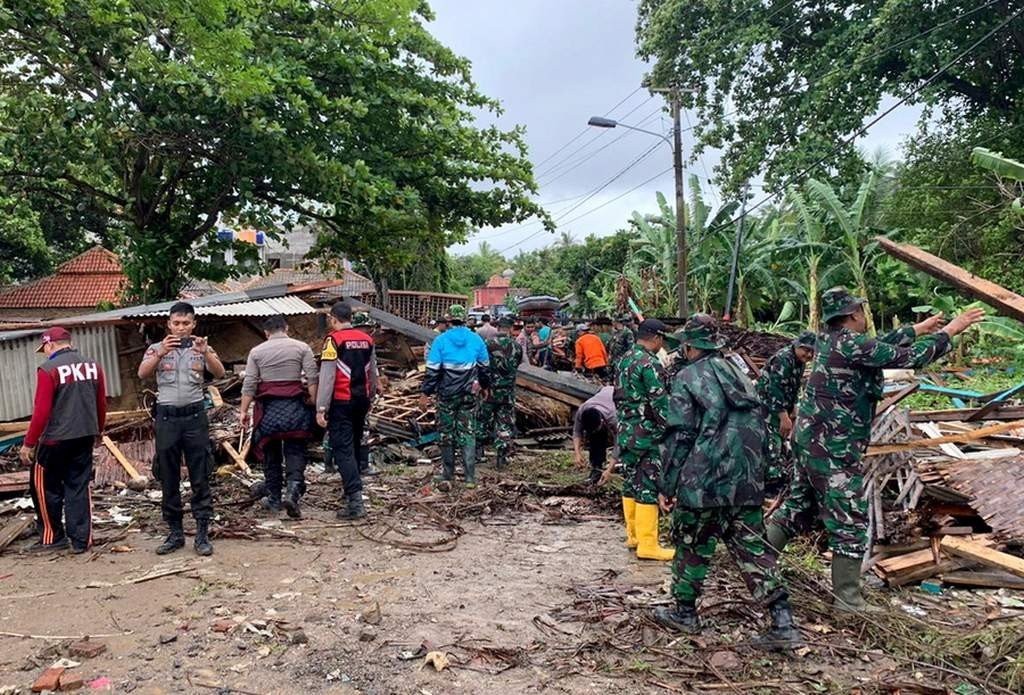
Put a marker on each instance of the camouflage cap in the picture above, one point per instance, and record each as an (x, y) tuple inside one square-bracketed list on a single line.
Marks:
[(361, 318), (837, 302), (701, 333), (807, 339), (505, 322), (457, 312)]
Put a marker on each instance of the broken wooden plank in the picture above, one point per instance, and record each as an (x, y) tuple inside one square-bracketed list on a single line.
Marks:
[(16, 481), (132, 472), (1006, 412), (999, 298), (931, 430), (13, 530), (985, 579), (895, 398), (215, 396), (978, 552), (980, 433), (236, 457)]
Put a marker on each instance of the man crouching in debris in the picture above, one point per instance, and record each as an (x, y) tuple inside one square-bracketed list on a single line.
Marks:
[(282, 421), (180, 362), (833, 427), (349, 380), (713, 480)]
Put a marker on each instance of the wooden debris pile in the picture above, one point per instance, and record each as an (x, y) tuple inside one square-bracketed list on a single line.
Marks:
[(945, 491)]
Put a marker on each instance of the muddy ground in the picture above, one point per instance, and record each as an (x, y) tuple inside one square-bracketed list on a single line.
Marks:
[(520, 589)]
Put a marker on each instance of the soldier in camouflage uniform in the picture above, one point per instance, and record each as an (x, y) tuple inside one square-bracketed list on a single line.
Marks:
[(497, 418), (457, 373), (641, 402), (833, 428), (713, 483), (622, 340), (777, 388)]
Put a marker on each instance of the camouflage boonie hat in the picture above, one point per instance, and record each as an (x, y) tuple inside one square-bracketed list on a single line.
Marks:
[(838, 302), (807, 339), (361, 318), (701, 333), (457, 312)]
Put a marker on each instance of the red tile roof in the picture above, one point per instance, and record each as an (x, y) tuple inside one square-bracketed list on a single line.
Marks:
[(85, 281)]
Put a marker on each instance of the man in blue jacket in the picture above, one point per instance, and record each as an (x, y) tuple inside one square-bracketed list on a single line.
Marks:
[(457, 374)]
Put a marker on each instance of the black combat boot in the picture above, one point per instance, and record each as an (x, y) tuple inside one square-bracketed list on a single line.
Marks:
[(202, 543), (501, 460), (682, 618), (354, 509), (175, 539), (782, 636), (291, 499)]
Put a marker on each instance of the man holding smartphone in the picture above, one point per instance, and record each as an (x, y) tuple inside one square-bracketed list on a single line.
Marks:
[(180, 362)]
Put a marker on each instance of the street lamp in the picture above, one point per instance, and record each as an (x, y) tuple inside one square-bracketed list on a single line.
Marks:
[(677, 164)]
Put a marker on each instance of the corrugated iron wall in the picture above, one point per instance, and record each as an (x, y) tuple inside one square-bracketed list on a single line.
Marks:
[(19, 361)]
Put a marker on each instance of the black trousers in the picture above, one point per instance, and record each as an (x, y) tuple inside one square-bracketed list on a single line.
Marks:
[(183, 435), (290, 452), (59, 483), (345, 422), (597, 446)]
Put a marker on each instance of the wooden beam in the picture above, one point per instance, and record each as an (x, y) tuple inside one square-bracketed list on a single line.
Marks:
[(236, 457), (15, 481), (988, 579), (981, 554), (13, 530), (121, 458), (1006, 412), (980, 433), (1001, 299), (894, 399)]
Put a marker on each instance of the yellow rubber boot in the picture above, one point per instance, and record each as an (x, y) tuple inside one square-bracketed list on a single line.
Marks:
[(647, 534), (629, 512)]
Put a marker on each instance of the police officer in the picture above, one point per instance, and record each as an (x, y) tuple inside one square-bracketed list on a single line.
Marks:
[(69, 413), (180, 362), (348, 383)]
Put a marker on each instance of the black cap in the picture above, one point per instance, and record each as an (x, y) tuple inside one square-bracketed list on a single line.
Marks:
[(652, 327), (505, 322)]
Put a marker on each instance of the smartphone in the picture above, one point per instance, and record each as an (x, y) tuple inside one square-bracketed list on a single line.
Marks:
[(185, 343)]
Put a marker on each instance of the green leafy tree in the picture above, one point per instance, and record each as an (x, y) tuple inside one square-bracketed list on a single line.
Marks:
[(172, 118), (779, 83)]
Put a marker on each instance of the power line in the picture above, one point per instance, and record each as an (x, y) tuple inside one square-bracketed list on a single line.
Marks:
[(584, 131), (593, 154), (557, 165), (864, 129), (593, 193)]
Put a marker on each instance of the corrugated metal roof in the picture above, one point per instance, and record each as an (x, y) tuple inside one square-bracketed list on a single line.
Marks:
[(287, 306), (20, 361)]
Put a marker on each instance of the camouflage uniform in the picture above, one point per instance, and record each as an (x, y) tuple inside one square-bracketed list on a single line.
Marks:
[(833, 428), (641, 402), (497, 417), (456, 420), (778, 388), (622, 341), (714, 466)]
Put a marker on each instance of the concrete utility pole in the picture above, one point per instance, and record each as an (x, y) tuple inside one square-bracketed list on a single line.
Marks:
[(682, 293)]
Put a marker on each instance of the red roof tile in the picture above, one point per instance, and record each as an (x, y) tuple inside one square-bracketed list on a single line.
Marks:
[(85, 281)]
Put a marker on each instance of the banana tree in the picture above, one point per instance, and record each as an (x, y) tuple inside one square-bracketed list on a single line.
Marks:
[(858, 248), (805, 235), (1004, 168)]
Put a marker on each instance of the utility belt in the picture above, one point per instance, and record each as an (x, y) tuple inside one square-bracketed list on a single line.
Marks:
[(176, 411)]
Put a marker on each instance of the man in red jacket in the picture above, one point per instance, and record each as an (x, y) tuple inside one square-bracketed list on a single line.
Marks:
[(348, 382), (69, 413)]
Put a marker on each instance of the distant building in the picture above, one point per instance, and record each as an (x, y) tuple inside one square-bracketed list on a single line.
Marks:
[(497, 289), (88, 281)]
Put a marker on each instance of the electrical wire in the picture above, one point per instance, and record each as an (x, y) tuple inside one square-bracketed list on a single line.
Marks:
[(584, 131)]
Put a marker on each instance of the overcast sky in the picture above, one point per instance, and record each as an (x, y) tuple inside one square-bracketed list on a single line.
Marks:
[(554, 63)]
